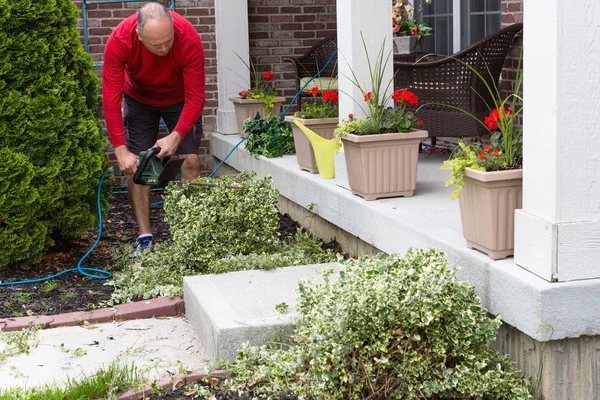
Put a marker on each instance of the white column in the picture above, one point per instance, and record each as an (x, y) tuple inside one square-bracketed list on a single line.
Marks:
[(557, 233), (374, 20), (231, 19)]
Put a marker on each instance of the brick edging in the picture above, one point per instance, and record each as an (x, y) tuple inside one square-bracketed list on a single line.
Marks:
[(159, 307), (170, 381)]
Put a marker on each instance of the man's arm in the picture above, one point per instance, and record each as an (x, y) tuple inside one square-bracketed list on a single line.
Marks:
[(194, 86), (113, 72)]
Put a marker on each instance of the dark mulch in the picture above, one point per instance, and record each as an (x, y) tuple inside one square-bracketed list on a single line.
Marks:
[(73, 291)]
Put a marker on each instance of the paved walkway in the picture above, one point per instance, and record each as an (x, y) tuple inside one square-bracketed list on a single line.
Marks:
[(160, 346)]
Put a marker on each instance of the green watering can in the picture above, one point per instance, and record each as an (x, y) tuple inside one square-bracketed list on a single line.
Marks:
[(324, 150)]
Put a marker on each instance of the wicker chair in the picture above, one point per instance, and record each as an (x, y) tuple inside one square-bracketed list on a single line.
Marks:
[(441, 79), (311, 63)]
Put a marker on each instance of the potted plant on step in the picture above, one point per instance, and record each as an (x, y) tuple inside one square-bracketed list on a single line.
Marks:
[(261, 98), (381, 150), (322, 118), (407, 32), (489, 177)]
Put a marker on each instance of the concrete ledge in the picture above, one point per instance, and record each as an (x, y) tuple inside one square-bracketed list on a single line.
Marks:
[(160, 307), (227, 310), (431, 219)]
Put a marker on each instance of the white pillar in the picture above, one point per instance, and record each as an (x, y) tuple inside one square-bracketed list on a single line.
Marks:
[(232, 75), (557, 233), (374, 20)]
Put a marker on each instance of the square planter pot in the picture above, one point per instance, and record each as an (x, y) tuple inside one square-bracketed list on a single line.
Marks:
[(404, 44), (487, 210), (247, 108), (383, 165), (324, 127)]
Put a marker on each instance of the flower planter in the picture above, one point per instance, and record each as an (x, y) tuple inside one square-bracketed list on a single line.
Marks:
[(487, 210), (247, 108), (383, 165), (404, 44), (324, 127)]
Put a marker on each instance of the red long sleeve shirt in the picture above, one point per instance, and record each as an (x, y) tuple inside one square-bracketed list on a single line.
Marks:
[(149, 79)]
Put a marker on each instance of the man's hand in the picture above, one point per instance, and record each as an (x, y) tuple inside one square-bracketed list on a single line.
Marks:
[(168, 145), (126, 160)]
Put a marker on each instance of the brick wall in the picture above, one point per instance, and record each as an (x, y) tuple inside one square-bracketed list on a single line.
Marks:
[(103, 18), (287, 28), (512, 12)]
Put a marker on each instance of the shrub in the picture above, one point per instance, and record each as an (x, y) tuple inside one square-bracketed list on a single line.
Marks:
[(270, 138), (391, 327), (214, 229), (52, 149)]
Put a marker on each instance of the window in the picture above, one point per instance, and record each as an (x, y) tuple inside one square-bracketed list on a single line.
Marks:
[(457, 23)]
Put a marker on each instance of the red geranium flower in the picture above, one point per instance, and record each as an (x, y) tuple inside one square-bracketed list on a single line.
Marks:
[(315, 91), (487, 149), (420, 122), (481, 156), (496, 153), (330, 96), (415, 31), (268, 76), (350, 115), (368, 96), (244, 94)]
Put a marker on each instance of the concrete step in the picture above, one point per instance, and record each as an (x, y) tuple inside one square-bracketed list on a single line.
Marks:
[(227, 310)]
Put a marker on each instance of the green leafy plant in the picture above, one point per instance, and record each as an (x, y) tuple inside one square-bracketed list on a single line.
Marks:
[(51, 285), (51, 144), (20, 342), (282, 308), (324, 105), (404, 22), (231, 224), (73, 353), (391, 327), (381, 118), (504, 150), (270, 138)]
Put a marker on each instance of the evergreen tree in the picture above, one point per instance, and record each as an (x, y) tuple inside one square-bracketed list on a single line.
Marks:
[(51, 146)]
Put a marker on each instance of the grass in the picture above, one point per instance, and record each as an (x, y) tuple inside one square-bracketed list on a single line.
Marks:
[(108, 383)]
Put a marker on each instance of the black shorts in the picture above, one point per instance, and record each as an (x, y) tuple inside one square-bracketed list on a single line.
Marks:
[(142, 122)]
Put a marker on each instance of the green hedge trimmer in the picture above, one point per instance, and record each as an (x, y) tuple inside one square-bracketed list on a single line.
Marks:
[(153, 172), (157, 174)]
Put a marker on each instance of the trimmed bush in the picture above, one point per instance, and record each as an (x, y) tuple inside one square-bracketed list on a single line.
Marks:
[(50, 138), (215, 228), (391, 327)]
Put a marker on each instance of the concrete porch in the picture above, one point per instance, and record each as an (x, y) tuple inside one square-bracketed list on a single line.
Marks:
[(552, 324)]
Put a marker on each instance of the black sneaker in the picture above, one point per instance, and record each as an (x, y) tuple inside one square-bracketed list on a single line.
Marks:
[(143, 243)]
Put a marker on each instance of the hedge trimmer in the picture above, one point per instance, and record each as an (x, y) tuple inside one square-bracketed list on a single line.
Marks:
[(156, 173)]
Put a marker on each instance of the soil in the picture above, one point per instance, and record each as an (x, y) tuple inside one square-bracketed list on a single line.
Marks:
[(73, 291)]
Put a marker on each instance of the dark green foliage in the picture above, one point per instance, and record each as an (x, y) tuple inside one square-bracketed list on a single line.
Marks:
[(51, 147), (269, 138)]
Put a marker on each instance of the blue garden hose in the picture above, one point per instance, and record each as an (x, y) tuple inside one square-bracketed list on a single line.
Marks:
[(89, 272), (103, 274)]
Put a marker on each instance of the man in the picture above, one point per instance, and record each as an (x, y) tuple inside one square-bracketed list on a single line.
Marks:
[(155, 62)]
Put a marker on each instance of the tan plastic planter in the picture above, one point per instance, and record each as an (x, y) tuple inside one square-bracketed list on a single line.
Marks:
[(247, 108), (324, 127), (487, 210), (383, 165)]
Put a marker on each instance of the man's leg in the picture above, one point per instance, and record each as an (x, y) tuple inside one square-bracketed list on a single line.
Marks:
[(188, 148), (140, 201), (141, 127), (190, 169)]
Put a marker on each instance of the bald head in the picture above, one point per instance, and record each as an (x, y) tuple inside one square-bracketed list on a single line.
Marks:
[(155, 28)]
